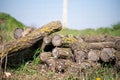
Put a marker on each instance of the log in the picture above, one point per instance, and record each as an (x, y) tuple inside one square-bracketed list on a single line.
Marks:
[(117, 44), (75, 69), (100, 38), (46, 41), (62, 53), (57, 40), (45, 56), (64, 41), (31, 39), (95, 45), (117, 63), (80, 56), (51, 63), (94, 55), (101, 45), (93, 38), (18, 33), (60, 66), (107, 55), (56, 65), (27, 31)]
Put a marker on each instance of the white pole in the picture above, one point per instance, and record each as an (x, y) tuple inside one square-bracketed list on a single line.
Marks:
[(64, 13)]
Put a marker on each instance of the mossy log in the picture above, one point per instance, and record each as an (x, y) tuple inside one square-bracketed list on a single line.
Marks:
[(31, 39), (64, 41)]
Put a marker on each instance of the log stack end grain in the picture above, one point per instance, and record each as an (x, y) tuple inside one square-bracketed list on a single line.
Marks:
[(117, 44), (18, 33), (93, 55), (107, 55), (79, 55)]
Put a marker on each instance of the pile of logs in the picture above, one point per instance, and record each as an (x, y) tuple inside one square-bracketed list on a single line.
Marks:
[(75, 53), (64, 53)]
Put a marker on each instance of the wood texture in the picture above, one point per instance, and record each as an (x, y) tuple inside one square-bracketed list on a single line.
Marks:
[(18, 33), (31, 38)]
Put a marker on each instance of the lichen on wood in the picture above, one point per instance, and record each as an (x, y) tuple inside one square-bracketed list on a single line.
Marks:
[(31, 39)]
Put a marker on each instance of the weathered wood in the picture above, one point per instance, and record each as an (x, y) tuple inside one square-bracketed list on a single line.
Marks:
[(57, 40), (56, 65), (75, 69), (80, 56), (51, 63), (45, 56), (60, 66), (99, 38), (93, 38), (94, 55), (107, 54), (31, 39), (18, 33), (27, 31), (96, 45), (63, 53), (64, 41), (46, 41), (117, 44)]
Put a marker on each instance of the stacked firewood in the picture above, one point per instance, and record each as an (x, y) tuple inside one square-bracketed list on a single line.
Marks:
[(62, 53), (78, 53)]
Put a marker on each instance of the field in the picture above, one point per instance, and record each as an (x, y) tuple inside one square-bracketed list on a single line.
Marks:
[(34, 70)]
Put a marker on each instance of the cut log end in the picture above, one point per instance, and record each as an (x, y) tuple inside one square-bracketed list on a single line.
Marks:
[(45, 56), (57, 40), (93, 55), (18, 33), (117, 45), (107, 55)]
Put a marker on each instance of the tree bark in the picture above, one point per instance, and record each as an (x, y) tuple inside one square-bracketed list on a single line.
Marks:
[(18, 33), (62, 53), (57, 40), (94, 55), (117, 44), (95, 45), (101, 38), (64, 41), (31, 38), (80, 56), (45, 56), (46, 41), (107, 54)]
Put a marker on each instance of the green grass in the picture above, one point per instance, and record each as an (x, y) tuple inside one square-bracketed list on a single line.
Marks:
[(8, 25), (114, 31)]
